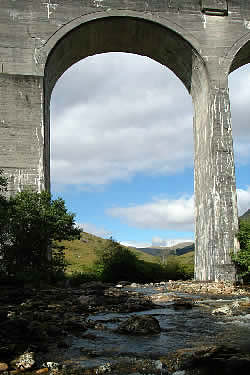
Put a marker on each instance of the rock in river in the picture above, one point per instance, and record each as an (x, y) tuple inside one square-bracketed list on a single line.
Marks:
[(140, 325)]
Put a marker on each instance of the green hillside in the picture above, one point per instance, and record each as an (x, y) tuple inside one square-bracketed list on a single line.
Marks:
[(246, 215), (81, 254)]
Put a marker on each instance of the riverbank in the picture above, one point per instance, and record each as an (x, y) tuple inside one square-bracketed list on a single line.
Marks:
[(167, 327), (208, 288)]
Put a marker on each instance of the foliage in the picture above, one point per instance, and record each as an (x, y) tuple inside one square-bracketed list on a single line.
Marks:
[(242, 258), (78, 278), (4, 209), (244, 234), (82, 254), (149, 272), (116, 262), (34, 225)]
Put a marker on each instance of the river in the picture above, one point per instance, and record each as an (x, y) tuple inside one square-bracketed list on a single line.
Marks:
[(180, 328)]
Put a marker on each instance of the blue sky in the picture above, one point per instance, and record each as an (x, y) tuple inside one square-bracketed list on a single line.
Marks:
[(122, 148)]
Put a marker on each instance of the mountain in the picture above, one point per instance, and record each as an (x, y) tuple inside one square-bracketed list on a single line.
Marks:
[(178, 249), (246, 215)]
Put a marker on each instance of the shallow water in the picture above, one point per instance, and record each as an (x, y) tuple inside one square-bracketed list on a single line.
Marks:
[(180, 329)]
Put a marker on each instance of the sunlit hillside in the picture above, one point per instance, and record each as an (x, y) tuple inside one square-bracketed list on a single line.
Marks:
[(81, 254)]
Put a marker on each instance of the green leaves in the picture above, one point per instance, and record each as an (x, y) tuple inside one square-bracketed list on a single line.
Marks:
[(242, 258), (32, 223), (116, 262), (244, 234)]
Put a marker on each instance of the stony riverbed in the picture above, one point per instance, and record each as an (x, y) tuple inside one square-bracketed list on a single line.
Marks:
[(165, 328)]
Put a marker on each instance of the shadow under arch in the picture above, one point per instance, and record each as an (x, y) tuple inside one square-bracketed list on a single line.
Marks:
[(121, 34), (239, 54)]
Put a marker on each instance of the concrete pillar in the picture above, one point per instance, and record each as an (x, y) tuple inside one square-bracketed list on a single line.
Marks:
[(215, 189), (22, 131)]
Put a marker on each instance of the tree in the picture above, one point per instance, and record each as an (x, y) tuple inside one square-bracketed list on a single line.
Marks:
[(34, 224), (116, 262), (242, 258)]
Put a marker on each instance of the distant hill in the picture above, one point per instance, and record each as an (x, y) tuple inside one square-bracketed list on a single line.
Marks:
[(81, 254), (154, 251), (178, 249), (246, 215)]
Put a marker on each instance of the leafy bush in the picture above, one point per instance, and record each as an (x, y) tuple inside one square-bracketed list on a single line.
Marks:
[(33, 225), (78, 278), (149, 272), (116, 262), (242, 258), (244, 234), (186, 271)]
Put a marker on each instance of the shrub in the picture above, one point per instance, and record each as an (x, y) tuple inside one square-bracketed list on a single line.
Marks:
[(34, 224), (78, 278), (116, 262), (242, 258)]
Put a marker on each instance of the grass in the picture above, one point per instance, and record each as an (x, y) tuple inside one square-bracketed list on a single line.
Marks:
[(81, 254)]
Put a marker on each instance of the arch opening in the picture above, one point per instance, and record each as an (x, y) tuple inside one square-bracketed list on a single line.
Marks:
[(120, 34), (129, 133), (239, 98)]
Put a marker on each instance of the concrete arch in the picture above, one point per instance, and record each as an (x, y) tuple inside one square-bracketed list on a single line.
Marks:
[(239, 54), (50, 43), (159, 39), (121, 31)]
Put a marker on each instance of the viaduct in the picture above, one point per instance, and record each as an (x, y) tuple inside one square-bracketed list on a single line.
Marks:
[(201, 41)]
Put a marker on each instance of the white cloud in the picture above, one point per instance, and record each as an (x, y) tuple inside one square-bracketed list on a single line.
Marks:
[(117, 125), (160, 214), (93, 229), (135, 244), (117, 115), (239, 82), (159, 242), (175, 214), (243, 200), (169, 214)]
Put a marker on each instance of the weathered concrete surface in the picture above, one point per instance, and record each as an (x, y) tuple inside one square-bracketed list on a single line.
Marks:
[(201, 41)]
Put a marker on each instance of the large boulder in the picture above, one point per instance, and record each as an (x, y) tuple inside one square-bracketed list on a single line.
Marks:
[(183, 304), (140, 325)]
